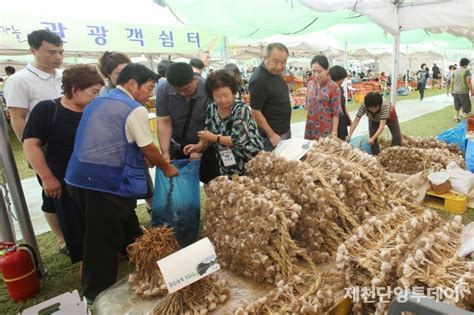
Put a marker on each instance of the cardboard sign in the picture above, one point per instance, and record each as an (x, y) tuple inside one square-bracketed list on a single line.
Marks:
[(68, 303), (188, 265), (293, 149)]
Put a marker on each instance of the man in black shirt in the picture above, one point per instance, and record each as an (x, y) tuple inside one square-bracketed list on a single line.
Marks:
[(269, 97)]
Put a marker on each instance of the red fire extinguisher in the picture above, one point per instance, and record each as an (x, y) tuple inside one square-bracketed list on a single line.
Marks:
[(19, 266)]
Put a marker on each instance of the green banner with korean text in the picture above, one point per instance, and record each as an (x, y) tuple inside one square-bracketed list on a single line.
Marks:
[(96, 36)]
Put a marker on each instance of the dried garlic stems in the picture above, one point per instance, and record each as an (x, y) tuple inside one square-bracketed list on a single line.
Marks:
[(153, 245), (200, 297), (424, 143), (413, 160), (434, 263), (250, 227)]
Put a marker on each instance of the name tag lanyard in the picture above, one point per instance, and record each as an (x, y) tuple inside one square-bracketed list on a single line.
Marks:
[(227, 157)]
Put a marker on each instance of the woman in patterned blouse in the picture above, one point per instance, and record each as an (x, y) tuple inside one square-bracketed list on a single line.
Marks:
[(230, 128), (323, 102)]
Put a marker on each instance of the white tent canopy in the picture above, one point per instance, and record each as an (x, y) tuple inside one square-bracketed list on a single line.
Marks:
[(396, 16)]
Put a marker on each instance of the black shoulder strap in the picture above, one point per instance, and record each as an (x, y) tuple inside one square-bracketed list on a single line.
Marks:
[(188, 118), (56, 103), (55, 115)]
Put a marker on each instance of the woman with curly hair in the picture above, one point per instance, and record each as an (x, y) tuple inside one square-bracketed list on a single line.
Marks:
[(48, 142), (230, 129)]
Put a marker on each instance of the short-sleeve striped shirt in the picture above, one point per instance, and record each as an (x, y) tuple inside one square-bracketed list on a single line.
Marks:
[(382, 114)]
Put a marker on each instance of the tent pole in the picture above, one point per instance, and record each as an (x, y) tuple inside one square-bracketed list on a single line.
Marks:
[(6, 230), (16, 191), (150, 60), (407, 72), (345, 67), (226, 50), (395, 56), (443, 64)]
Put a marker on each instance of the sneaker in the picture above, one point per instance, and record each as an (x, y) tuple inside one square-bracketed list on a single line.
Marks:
[(63, 250)]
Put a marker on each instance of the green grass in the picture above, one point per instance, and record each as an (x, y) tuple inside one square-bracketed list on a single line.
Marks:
[(299, 115), (62, 276), (428, 125)]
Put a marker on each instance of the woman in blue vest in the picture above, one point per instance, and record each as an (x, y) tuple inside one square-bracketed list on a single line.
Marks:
[(106, 173)]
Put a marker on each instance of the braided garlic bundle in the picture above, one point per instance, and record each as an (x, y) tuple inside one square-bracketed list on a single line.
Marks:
[(153, 245), (444, 157), (199, 297), (407, 160), (367, 165), (298, 294), (434, 263), (324, 219), (429, 142), (249, 225), (371, 256)]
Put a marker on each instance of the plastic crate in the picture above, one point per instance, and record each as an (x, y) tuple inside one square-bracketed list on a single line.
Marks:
[(451, 202)]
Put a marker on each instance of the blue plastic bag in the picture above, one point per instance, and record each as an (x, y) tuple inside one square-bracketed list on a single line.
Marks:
[(469, 156), (177, 202), (403, 91), (456, 135), (361, 143)]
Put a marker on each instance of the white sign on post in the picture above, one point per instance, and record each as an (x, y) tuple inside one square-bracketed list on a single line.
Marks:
[(188, 265)]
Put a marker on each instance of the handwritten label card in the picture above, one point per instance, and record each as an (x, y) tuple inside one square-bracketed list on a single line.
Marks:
[(188, 265)]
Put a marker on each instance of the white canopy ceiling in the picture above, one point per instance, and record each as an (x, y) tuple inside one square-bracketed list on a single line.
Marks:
[(395, 16)]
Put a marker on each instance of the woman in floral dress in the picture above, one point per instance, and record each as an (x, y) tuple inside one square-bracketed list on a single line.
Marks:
[(230, 128), (323, 102)]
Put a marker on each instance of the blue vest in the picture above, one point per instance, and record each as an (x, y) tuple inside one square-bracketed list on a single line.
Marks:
[(103, 160)]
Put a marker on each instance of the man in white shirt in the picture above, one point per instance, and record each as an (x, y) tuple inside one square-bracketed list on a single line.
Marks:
[(205, 57), (37, 82)]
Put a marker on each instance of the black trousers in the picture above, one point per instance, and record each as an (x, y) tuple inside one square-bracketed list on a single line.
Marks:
[(421, 89), (393, 126), (110, 225), (71, 224)]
